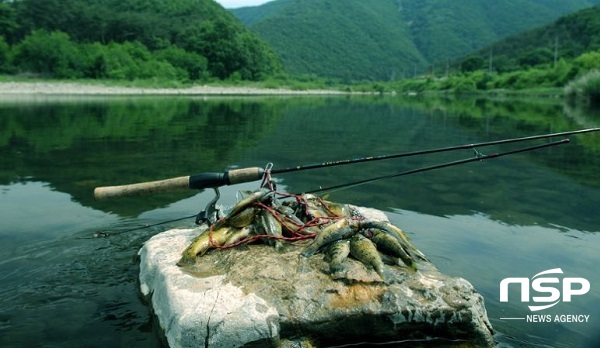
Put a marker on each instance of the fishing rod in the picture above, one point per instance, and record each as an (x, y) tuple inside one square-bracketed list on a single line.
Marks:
[(478, 157), (238, 176), (212, 213), (430, 151)]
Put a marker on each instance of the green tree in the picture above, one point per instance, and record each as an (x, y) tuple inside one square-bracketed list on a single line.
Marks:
[(535, 57), (194, 64), (584, 90), (588, 61), (465, 85), (94, 56), (133, 60), (472, 63), (8, 21), (50, 53), (258, 60), (4, 52), (217, 44), (124, 61)]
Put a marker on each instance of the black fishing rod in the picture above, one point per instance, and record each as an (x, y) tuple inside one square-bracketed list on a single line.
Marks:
[(478, 157), (211, 213), (237, 176), (430, 151)]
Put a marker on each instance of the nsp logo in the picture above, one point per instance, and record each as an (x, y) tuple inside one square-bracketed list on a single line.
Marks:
[(570, 287)]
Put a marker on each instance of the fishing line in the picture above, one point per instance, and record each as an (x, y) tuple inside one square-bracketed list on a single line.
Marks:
[(102, 234)]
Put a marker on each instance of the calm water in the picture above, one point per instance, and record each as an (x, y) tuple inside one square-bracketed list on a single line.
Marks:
[(68, 267)]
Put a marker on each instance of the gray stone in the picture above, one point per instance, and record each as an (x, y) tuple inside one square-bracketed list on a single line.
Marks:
[(254, 295)]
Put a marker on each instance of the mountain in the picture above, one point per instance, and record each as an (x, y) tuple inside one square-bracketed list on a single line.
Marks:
[(387, 39), (350, 39), (567, 37)]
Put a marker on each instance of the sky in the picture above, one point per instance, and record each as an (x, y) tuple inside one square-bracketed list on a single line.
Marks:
[(240, 3)]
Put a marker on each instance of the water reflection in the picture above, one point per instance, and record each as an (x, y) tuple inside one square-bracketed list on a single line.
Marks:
[(76, 145)]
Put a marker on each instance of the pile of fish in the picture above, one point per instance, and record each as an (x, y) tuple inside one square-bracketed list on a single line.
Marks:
[(338, 230)]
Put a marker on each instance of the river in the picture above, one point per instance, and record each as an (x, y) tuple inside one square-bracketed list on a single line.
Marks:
[(69, 266)]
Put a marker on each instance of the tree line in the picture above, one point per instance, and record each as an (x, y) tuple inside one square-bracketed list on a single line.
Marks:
[(578, 78), (130, 39)]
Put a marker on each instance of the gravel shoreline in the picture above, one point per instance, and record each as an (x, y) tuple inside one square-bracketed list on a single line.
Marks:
[(66, 88)]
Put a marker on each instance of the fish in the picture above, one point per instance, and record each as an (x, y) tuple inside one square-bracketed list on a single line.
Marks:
[(395, 232), (313, 209), (287, 211), (337, 252), (272, 227), (252, 198), (292, 224), (239, 235), (392, 246), (337, 209), (365, 251), (241, 219), (289, 224), (405, 241), (342, 229), (201, 244)]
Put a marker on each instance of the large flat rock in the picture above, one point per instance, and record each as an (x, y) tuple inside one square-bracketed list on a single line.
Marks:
[(255, 296)]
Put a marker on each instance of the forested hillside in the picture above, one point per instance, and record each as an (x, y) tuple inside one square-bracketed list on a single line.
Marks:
[(388, 39), (566, 38), (562, 56), (129, 39), (353, 39)]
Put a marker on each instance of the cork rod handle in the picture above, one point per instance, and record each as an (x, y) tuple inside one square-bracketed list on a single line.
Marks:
[(108, 192), (198, 181)]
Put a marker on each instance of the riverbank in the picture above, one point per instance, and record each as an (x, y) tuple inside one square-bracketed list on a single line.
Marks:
[(76, 88)]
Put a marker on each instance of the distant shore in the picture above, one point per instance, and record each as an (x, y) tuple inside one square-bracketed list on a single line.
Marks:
[(68, 88)]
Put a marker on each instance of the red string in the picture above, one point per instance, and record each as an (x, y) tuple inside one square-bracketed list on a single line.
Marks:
[(295, 234), (316, 222)]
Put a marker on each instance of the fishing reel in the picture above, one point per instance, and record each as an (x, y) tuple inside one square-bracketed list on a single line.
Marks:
[(212, 213)]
